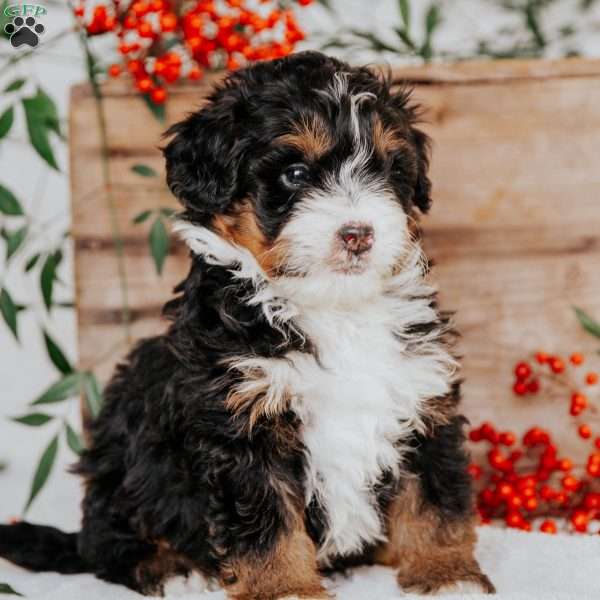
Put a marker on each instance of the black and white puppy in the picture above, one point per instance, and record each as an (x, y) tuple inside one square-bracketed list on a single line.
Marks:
[(300, 414)]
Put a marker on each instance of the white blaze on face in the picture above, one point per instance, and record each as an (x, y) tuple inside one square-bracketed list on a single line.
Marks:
[(349, 196)]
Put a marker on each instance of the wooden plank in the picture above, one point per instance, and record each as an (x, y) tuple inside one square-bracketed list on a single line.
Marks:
[(514, 230)]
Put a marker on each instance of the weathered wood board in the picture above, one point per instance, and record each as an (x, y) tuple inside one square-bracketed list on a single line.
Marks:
[(514, 230)]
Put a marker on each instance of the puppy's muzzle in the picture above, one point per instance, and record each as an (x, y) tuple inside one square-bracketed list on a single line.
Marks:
[(357, 238)]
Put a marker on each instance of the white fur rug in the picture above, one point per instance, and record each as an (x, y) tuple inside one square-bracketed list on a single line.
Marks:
[(523, 566)]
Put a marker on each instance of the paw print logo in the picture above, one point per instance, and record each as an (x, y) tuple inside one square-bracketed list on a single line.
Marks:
[(24, 31)]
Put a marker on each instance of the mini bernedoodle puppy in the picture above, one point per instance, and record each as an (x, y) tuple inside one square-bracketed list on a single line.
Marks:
[(300, 414)]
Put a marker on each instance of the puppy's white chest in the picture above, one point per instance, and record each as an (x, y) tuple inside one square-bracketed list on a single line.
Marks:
[(354, 415)]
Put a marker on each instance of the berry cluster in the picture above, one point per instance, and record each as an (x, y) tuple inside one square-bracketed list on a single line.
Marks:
[(163, 41), (526, 481)]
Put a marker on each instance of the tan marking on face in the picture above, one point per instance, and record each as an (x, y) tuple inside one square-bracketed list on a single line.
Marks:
[(387, 140), (290, 570), (428, 550), (241, 227), (311, 136)]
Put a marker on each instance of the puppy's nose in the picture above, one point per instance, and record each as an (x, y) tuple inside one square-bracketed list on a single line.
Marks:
[(357, 238)]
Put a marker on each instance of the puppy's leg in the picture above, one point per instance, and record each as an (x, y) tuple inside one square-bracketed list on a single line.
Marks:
[(287, 571), (431, 530)]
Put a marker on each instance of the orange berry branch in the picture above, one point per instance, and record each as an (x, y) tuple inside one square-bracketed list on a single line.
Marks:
[(164, 41), (527, 479)]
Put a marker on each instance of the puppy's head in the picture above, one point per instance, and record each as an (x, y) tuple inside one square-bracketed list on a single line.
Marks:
[(312, 165)]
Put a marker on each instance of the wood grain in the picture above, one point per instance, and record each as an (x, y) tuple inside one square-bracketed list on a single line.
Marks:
[(514, 230)]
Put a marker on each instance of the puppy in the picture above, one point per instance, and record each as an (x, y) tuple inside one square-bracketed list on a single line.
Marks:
[(300, 414)]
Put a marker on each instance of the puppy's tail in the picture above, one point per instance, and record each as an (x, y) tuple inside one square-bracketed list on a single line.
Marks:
[(41, 548)]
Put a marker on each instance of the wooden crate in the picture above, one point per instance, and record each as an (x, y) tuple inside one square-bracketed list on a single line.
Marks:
[(514, 229)]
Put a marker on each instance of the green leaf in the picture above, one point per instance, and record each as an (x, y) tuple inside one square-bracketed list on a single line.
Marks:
[(144, 171), (141, 217), (9, 311), (433, 19), (404, 6), (41, 117), (6, 589), (159, 243), (14, 239), (588, 323), (48, 276), (33, 419), (31, 262), (167, 212), (59, 360), (9, 205), (43, 470), (93, 394), (6, 121), (64, 388), (73, 439), (158, 110), (15, 85)]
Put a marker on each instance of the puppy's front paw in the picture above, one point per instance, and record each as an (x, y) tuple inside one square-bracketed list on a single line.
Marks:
[(180, 586), (475, 583), (323, 596), (466, 587)]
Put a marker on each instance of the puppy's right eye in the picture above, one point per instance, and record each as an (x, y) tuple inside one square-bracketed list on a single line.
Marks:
[(295, 176)]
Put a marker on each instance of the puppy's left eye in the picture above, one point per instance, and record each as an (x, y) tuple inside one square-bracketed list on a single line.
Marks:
[(295, 176)]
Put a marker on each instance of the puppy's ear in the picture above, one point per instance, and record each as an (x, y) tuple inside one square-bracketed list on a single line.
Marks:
[(422, 194), (203, 160)]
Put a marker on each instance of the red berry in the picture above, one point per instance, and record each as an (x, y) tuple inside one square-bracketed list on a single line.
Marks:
[(533, 387), (114, 70), (158, 95), (591, 378), (507, 438), (522, 371), (168, 22), (585, 432), (580, 520), (570, 483), (475, 435), (548, 526), (520, 388), (514, 519), (475, 471), (577, 358), (565, 464), (541, 357), (144, 84), (557, 365)]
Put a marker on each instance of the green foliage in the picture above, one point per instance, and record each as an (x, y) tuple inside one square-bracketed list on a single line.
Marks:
[(9, 311), (33, 419), (43, 471), (158, 110), (93, 393), (57, 356), (48, 276), (159, 243), (587, 322), (42, 119), (73, 439), (144, 171), (7, 589), (66, 387), (9, 205), (6, 121)]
